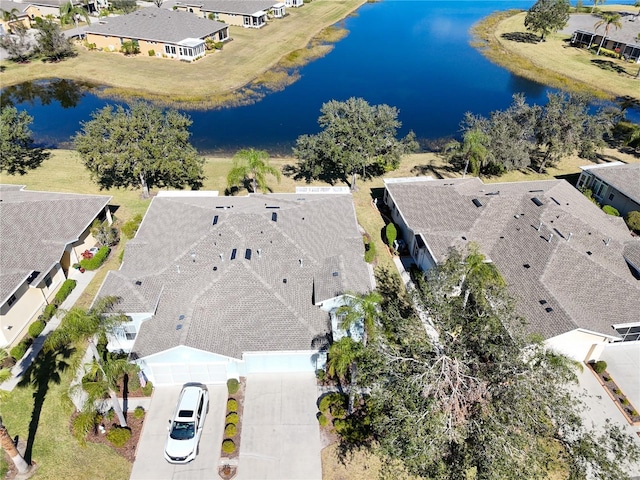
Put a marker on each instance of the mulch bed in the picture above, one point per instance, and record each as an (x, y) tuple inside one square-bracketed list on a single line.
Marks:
[(620, 398), (229, 471)]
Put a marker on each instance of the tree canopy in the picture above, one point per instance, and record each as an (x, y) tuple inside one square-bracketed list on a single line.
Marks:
[(547, 16), (52, 44), (251, 166), (139, 146), (457, 391), (356, 138), (16, 143)]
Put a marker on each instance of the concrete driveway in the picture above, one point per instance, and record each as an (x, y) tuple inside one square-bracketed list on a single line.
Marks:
[(280, 434), (150, 463)]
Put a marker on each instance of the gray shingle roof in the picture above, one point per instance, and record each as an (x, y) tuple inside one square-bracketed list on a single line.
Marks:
[(240, 7), (35, 228), (232, 306), (625, 178), (157, 24), (627, 34), (581, 273), (8, 6)]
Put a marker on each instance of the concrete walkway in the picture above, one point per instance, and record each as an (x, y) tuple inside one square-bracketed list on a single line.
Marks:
[(18, 370)]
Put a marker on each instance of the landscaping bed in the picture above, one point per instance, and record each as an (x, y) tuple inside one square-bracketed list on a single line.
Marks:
[(230, 448), (127, 451), (617, 395)]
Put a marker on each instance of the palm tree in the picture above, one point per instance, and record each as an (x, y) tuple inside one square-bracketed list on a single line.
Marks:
[(251, 164), (607, 20), (363, 308), (343, 357), (8, 446), (479, 275), (70, 13), (473, 149), (80, 324)]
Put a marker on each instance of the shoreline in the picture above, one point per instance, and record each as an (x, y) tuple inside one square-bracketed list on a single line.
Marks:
[(571, 72), (255, 63)]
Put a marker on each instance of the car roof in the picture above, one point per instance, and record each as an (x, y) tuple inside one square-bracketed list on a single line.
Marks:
[(188, 402)]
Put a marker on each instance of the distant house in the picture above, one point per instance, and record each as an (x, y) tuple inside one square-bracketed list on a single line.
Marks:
[(572, 269), (24, 13), (42, 8), (165, 33), (616, 184), (623, 40), (294, 3), (42, 235), (218, 287), (242, 13)]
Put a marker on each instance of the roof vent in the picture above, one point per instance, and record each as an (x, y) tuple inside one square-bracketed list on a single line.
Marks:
[(589, 252), (272, 206), (536, 191), (300, 260), (606, 242), (537, 201), (247, 254), (569, 237), (215, 269), (543, 302), (284, 280), (477, 202), (539, 226), (550, 237), (259, 253), (222, 257), (274, 216), (548, 309), (526, 265), (138, 282), (215, 220), (335, 274), (233, 253)]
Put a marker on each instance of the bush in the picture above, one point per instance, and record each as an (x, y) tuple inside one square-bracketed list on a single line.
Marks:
[(322, 420), (624, 401), (609, 210), (36, 328), (391, 233), (48, 312), (321, 375), (232, 418), (119, 436), (83, 423), (233, 385), (97, 260), (130, 228), (230, 430), (228, 446), (130, 48), (147, 389), (633, 221), (600, 366), (20, 349), (65, 290), (152, 53), (331, 400), (369, 252), (232, 405), (138, 413)]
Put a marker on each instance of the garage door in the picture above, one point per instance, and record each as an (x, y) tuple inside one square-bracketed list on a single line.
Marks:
[(181, 373)]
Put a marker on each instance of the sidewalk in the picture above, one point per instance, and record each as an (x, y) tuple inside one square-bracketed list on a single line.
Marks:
[(20, 368)]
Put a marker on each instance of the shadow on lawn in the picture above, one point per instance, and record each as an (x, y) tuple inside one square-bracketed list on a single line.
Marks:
[(608, 65), (45, 369), (521, 37)]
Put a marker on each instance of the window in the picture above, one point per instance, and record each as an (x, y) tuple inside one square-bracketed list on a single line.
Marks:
[(629, 333), (130, 332), (12, 300), (170, 49), (611, 196), (47, 280)]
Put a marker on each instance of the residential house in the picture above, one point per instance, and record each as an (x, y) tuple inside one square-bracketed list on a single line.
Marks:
[(622, 40), (42, 8), (19, 13), (218, 287), (242, 13), (294, 3), (159, 32), (616, 184), (572, 269), (42, 235)]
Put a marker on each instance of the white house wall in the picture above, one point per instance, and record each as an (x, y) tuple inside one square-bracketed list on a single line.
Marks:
[(283, 362), (576, 344)]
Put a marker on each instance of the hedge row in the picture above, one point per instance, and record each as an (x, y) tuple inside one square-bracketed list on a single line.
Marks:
[(98, 259), (65, 290)]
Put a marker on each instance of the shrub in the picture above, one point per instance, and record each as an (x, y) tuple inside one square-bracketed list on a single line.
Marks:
[(152, 53), (232, 418), (147, 389), (232, 405), (322, 420), (633, 221), (228, 446), (36, 328), (48, 312), (624, 401), (138, 413), (230, 430), (391, 233), (609, 210), (330, 400), (130, 228), (587, 192), (83, 423), (320, 375), (369, 252), (600, 366), (65, 290), (97, 260), (218, 45), (617, 391), (233, 385), (633, 413), (130, 48), (119, 436), (110, 415), (20, 349)]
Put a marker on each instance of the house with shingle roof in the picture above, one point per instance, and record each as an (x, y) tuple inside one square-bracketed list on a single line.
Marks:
[(242, 13), (218, 287), (160, 32), (41, 235), (564, 260), (615, 183), (20, 13)]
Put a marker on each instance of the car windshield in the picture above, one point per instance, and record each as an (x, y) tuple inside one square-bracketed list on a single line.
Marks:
[(183, 430)]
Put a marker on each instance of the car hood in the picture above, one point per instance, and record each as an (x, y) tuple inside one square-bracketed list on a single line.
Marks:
[(180, 448)]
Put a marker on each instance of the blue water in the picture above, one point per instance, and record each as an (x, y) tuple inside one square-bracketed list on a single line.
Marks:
[(414, 55)]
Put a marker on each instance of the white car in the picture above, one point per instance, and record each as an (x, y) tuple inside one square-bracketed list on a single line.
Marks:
[(187, 423)]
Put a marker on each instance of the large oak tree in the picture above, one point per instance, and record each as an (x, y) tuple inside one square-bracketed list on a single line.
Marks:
[(139, 146), (18, 153)]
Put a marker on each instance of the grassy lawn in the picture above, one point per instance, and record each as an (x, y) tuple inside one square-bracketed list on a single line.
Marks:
[(554, 62), (209, 81)]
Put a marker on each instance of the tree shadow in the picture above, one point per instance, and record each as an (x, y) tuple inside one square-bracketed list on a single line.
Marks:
[(46, 368), (608, 65), (572, 178), (521, 37)]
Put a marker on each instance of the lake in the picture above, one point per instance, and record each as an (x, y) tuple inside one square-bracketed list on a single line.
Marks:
[(414, 55)]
